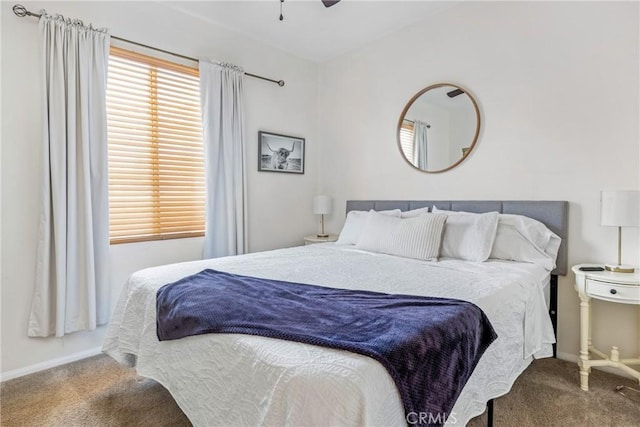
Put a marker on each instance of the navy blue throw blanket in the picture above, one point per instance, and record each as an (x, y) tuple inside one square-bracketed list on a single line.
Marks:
[(429, 346)]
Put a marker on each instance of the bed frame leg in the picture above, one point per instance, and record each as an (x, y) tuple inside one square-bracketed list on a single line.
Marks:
[(553, 307), (490, 413)]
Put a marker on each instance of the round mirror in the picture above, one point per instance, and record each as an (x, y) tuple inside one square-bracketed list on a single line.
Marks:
[(438, 127)]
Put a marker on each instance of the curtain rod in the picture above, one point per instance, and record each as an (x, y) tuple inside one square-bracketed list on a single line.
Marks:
[(22, 11), (412, 121)]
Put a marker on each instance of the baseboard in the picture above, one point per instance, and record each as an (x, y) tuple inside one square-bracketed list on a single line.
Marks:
[(567, 357), (574, 358), (9, 375)]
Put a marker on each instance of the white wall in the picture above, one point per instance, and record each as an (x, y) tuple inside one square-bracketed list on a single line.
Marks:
[(463, 128), (279, 204), (557, 86)]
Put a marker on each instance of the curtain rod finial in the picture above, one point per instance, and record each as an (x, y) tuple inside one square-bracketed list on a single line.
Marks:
[(280, 83), (20, 10)]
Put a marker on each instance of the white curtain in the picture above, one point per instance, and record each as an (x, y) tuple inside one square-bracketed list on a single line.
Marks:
[(221, 96), (71, 289), (420, 144)]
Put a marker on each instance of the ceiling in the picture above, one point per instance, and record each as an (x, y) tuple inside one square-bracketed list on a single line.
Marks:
[(309, 30)]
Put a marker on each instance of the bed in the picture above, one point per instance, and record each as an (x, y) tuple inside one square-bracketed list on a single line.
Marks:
[(234, 379)]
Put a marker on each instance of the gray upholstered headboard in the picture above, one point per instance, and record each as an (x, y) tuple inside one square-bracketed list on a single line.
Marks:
[(553, 214)]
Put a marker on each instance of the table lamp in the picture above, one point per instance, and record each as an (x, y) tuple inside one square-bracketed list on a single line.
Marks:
[(322, 205), (620, 209)]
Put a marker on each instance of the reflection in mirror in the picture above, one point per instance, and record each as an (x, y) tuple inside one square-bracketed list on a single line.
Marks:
[(438, 127)]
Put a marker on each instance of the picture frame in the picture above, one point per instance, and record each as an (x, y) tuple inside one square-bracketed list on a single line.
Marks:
[(280, 153)]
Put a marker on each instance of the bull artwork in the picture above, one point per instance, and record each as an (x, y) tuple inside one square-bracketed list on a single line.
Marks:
[(279, 157), (280, 153)]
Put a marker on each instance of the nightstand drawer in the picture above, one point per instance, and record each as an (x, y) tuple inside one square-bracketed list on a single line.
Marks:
[(628, 294)]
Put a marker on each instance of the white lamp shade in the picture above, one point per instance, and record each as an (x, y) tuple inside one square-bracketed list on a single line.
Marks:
[(620, 208), (322, 205)]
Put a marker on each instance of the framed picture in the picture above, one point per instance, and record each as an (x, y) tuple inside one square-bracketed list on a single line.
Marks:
[(280, 153)]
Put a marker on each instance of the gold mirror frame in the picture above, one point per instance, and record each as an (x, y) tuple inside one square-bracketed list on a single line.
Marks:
[(466, 150)]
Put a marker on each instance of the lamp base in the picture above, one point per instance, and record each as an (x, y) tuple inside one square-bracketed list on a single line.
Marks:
[(614, 268), (322, 235)]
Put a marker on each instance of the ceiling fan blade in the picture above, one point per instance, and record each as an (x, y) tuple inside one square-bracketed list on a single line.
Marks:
[(329, 3)]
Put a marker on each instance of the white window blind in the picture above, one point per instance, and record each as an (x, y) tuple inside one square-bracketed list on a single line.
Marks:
[(406, 139), (156, 164)]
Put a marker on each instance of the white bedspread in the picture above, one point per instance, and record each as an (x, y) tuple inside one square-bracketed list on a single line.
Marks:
[(231, 379)]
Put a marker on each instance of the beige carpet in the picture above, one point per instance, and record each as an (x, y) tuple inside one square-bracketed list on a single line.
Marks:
[(99, 392)]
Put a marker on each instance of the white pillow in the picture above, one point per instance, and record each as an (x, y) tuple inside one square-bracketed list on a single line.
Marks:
[(353, 225), (414, 212), (468, 236), (534, 231), (418, 237), (520, 238)]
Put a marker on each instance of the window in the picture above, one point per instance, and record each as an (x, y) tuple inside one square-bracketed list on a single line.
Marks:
[(406, 139), (156, 165)]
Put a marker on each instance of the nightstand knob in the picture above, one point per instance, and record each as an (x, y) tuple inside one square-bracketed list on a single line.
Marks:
[(613, 291)]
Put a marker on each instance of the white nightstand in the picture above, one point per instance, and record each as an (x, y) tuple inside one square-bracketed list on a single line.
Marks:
[(310, 240), (622, 288)]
